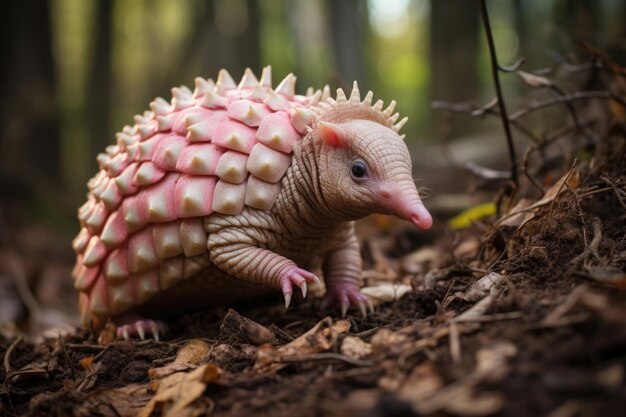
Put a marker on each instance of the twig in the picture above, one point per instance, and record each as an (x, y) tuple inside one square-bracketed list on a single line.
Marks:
[(367, 333), (558, 192), (567, 129), (7, 356), (580, 95), (513, 67), (594, 191), (593, 247), (489, 109), (16, 265), (562, 309), (66, 357), (454, 342), (572, 110), (512, 315), (486, 173), (85, 346), (582, 218), (325, 357), (496, 80), (619, 193), (527, 174)]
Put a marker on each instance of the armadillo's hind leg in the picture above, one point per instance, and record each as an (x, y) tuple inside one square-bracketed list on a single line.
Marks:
[(132, 326)]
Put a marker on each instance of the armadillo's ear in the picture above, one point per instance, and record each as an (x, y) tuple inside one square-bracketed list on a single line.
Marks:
[(331, 134)]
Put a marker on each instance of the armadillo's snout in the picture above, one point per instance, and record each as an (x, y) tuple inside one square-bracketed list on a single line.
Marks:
[(421, 217), (404, 201)]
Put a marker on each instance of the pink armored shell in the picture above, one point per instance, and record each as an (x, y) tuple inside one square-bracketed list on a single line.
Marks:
[(217, 149)]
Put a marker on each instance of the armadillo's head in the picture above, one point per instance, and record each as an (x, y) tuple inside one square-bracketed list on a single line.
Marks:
[(365, 167)]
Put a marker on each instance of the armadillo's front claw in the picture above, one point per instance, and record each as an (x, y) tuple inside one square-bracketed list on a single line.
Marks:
[(344, 308), (345, 296), (287, 299), (140, 329), (299, 277)]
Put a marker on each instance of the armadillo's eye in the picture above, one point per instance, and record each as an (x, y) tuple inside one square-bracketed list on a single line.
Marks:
[(358, 170)]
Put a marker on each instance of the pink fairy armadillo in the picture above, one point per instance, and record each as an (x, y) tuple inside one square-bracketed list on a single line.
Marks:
[(229, 191)]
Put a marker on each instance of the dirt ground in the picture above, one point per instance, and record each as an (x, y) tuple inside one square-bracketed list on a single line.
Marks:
[(523, 313)]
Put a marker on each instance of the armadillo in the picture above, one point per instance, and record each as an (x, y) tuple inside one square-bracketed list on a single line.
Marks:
[(232, 191)]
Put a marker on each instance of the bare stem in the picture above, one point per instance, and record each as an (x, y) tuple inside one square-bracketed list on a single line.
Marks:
[(496, 80)]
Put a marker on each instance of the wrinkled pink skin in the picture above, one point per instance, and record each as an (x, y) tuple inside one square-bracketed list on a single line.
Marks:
[(312, 219)]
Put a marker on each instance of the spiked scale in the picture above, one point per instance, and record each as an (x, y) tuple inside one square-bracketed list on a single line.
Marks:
[(217, 149)]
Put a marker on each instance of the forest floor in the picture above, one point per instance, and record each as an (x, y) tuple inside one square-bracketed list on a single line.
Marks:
[(523, 313), (520, 317)]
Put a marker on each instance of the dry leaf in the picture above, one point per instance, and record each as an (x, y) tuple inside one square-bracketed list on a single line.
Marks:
[(466, 402), (125, 401), (423, 383), (424, 389), (191, 354), (518, 214), (492, 361), (571, 180), (321, 338), (108, 334), (389, 343), (481, 287), (177, 392), (354, 347), (385, 293), (534, 80), (91, 375), (245, 329)]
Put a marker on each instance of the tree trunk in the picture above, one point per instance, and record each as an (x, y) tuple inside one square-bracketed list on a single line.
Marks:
[(29, 126), (225, 34), (98, 99), (454, 46), (454, 29), (348, 20)]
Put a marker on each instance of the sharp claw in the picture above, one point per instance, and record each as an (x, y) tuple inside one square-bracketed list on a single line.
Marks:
[(370, 305), (303, 288), (155, 331), (318, 282), (362, 309), (287, 300), (344, 309), (125, 333), (141, 331)]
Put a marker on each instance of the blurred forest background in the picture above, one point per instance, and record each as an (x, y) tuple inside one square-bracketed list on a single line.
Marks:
[(73, 72)]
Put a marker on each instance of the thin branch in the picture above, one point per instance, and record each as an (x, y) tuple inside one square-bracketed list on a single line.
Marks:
[(619, 193), (8, 369), (524, 168), (562, 99), (513, 67), (488, 109), (592, 249), (572, 110), (496, 80)]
